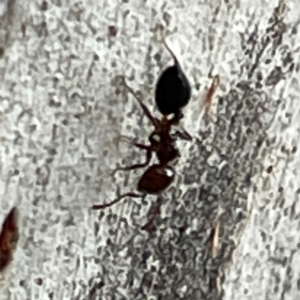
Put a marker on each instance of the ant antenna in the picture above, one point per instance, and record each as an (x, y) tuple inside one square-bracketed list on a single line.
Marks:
[(169, 49), (146, 111)]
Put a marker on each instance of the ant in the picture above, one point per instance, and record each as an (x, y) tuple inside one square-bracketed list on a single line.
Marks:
[(8, 238), (172, 93)]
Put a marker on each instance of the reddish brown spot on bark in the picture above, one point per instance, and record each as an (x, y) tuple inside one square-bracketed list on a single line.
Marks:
[(8, 238)]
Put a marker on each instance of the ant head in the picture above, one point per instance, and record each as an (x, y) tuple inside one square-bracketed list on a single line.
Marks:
[(173, 90)]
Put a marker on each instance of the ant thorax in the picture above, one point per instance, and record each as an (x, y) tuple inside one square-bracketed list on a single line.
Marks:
[(163, 145)]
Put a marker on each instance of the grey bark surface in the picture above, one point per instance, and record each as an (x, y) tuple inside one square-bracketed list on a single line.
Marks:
[(63, 108)]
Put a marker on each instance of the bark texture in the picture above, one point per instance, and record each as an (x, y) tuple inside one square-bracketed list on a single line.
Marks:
[(229, 227)]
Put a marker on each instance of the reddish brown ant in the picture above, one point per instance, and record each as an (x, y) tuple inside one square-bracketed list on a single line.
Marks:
[(8, 238), (172, 93)]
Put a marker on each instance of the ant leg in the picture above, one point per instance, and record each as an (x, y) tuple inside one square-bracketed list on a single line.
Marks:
[(155, 211), (102, 206), (131, 141), (145, 109), (184, 135), (121, 137), (137, 166)]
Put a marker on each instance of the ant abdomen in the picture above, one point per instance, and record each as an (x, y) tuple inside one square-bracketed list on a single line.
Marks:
[(156, 179)]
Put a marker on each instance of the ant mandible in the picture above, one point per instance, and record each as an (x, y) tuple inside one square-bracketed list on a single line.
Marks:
[(172, 93)]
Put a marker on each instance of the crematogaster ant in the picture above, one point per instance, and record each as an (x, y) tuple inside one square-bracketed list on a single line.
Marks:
[(172, 93)]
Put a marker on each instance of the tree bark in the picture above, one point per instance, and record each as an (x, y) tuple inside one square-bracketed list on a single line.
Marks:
[(229, 225)]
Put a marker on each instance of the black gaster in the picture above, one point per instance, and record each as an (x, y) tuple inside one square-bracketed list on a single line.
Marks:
[(173, 90)]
